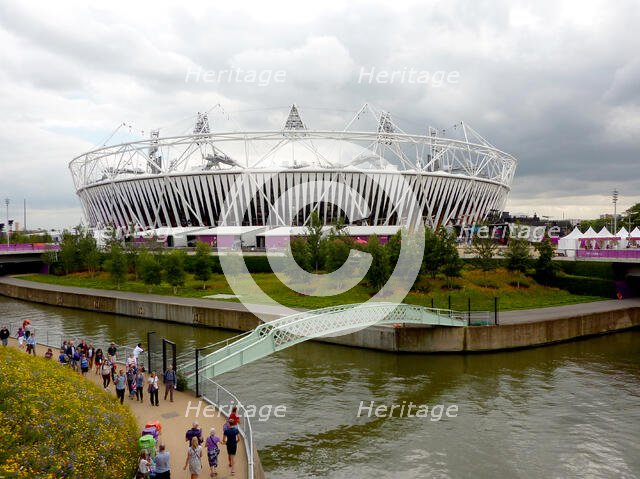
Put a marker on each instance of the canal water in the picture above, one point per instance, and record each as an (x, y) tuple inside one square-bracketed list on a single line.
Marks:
[(570, 410)]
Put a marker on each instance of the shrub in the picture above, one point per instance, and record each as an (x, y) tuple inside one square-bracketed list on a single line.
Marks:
[(586, 286), (54, 423), (486, 283)]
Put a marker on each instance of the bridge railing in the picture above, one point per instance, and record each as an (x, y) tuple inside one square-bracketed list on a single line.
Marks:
[(223, 400), (22, 247), (53, 338)]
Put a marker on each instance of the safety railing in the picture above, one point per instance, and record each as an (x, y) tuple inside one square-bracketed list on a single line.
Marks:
[(53, 338), (224, 400)]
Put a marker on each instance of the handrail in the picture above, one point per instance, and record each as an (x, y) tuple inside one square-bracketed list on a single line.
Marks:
[(49, 333), (245, 423)]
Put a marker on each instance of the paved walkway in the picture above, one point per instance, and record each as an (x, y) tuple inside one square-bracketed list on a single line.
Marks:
[(174, 425), (568, 311), (275, 311)]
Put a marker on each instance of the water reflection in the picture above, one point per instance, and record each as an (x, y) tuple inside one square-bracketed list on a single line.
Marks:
[(567, 410)]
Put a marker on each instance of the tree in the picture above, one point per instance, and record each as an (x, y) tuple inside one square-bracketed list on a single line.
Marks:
[(314, 240), (335, 252), (202, 263), (68, 254), (451, 263), (393, 246), (546, 268), (149, 269), (116, 263), (378, 273), (89, 255), (518, 255), (132, 252), (432, 259), (632, 216), (174, 269), (484, 249), (301, 253)]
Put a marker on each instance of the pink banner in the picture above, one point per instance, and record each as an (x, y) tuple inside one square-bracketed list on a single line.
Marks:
[(7, 248), (609, 253)]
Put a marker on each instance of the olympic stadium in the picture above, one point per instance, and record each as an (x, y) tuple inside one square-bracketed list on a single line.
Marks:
[(379, 176)]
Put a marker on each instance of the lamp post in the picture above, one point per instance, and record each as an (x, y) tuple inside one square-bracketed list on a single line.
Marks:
[(615, 214), (6, 202)]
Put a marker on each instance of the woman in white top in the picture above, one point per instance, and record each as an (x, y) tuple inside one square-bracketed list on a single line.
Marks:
[(144, 466), (194, 458), (153, 389)]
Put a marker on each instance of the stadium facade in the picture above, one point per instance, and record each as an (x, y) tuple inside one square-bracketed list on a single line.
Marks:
[(278, 177)]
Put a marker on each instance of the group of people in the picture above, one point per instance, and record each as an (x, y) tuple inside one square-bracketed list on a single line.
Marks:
[(231, 438), (26, 337), (159, 462), (84, 357)]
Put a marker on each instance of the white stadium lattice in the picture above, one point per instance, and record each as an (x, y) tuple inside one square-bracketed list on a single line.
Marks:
[(278, 177)]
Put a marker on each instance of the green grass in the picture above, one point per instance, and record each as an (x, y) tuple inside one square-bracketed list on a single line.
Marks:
[(481, 287)]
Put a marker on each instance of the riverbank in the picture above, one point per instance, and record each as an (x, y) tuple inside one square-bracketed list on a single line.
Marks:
[(479, 289), (174, 420), (517, 329)]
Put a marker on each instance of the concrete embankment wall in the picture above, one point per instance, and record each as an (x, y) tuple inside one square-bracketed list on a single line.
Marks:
[(491, 338), (234, 316)]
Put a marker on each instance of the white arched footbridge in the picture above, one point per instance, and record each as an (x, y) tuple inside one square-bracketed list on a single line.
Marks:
[(285, 332)]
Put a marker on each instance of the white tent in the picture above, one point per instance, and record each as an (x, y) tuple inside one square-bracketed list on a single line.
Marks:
[(590, 233), (604, 234), (623, 234), (635, 234), (570, 243)]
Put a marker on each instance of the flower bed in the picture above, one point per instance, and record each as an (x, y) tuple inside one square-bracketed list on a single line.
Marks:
[(56, 424)]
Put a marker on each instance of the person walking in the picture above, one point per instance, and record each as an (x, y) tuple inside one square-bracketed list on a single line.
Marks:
[(111, 352), (163, 467), (132, 362), (31, 344), (144, 465), (137, 350), (194, 459), (98, 360), (91, 352), (153, 389), (139, 386), (170, 380), (106, 373), (4, 335), (213, 451), (196, 432), (120, 382), (231, 439), (132, 382), (20, 337), (84, 365)]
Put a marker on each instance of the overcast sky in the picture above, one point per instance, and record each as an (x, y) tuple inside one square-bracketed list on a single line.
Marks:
[(556, 84)]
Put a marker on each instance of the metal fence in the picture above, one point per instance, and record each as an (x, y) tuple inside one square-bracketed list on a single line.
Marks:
[(53, 338), (223, 400)]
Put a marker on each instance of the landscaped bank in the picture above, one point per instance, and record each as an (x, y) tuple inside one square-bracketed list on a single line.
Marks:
[(55, 424), (517, 329)]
